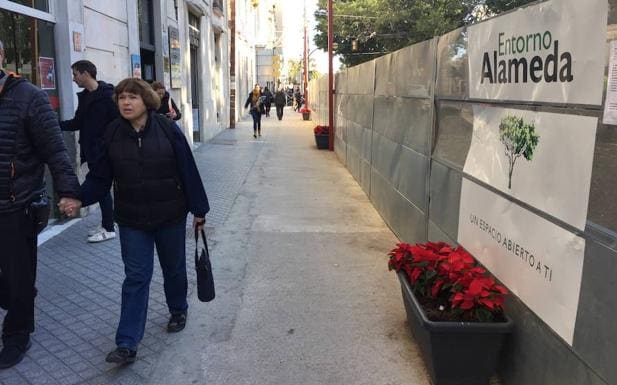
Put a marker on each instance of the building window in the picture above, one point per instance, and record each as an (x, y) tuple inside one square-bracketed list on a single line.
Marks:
[(146, 23), (29, 51), (42, 5)]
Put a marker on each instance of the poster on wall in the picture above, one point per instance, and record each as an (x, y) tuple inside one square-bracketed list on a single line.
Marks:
[(543, 159), (136, 66), (550, 52), (47, 73), (540, 262), (174, 58), (166, 64)]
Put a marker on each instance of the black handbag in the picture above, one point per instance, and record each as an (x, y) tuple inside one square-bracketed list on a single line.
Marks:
[(203, 268)]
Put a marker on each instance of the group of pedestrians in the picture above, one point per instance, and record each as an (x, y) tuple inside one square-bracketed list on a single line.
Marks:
[(126, 142), (260, 103)]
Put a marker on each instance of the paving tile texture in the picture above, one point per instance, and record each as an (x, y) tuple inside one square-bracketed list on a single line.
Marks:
[(78, 305)]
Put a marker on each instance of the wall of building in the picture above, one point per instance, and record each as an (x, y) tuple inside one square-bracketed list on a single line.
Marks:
[(245, 54), (408, 125)]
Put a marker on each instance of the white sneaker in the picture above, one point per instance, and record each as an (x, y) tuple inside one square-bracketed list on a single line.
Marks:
[(101, 236), (95, 230)]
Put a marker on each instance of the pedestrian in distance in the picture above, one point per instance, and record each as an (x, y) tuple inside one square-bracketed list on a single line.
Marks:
[(299, 100), (168, 106), (255, 101), (30, 137), (280, 100), (95, 110), (156, 183), (267, 101)]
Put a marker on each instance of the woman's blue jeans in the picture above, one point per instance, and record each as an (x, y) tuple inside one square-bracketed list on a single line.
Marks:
[(138, 256)]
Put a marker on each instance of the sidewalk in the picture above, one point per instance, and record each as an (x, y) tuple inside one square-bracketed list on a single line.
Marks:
[(303, 291)]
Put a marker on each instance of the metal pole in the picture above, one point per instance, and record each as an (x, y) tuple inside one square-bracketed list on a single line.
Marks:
[(306, 101), (330, 77)]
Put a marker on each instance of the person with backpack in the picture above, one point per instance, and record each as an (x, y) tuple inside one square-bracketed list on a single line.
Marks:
[(267, 101), (30, 137), (280, 100), (256, 102), (156, 183), (95, 109)]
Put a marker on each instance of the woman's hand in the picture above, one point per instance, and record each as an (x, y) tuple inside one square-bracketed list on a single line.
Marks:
[(172, 114), (199, 223)]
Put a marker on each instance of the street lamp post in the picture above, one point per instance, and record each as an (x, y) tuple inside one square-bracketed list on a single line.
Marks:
[(330, 77)]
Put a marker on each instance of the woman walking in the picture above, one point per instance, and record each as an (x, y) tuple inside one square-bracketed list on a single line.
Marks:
[(168, 106), (255, 101), (156, 183)]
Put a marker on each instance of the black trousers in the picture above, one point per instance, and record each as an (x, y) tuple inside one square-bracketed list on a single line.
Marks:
[(268, 106), (18, 264), (256, 120), (279, 111)]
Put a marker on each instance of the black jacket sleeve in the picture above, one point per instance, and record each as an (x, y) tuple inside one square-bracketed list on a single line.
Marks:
[(44, 132), (71, 124), (98, 180), (196, 197)]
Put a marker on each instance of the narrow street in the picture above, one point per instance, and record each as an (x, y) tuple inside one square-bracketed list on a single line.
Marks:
[(304, 295)]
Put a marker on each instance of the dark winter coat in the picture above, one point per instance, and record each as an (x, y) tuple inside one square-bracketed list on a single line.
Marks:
[(29, 138), (267, 97), (164, 109), (280, 99), (154, 175), (95, 110), (255, 107)]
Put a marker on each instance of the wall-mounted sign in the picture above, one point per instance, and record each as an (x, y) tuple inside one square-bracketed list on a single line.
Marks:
[(166, 64), (540, 262), (76, 41), (136, 66), (47, 73), (550, 52), (174, 58), (543, 159)]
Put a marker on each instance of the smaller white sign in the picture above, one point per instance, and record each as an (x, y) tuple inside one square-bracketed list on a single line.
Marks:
[(610, 105), (540, 262), (543, 159)]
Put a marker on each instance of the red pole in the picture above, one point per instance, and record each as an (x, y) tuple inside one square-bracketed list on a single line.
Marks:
[(330, 77), (306, 100)]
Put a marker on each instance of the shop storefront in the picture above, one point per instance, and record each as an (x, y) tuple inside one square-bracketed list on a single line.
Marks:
[(28, 35)]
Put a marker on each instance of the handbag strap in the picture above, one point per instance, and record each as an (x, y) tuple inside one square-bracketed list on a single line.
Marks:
[(205, 243)]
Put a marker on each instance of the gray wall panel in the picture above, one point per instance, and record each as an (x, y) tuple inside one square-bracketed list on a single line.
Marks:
[(533, 355), (445, 192), (436, 235), (360, 109), (454, 132), (452, 65), (361, 79), (402, 167), (407, 72), (595, 336), (407, 222), (404, 120)]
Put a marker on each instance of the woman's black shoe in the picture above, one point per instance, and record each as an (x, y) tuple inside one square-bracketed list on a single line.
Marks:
[(14, 351), (176, 323), (121, 356)]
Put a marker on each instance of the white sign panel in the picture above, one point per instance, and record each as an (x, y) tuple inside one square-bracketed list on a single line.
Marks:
[(538, 261), (543, 159), (610, 104), (550, 52)]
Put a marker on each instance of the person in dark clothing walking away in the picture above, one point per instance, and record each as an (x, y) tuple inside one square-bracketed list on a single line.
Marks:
[(256, 102), (95, 110), (156, 183), (168, 106), (267, 101), (280, 100), (29, 138)]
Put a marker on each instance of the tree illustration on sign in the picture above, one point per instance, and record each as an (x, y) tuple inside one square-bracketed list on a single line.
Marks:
[(520, 140)]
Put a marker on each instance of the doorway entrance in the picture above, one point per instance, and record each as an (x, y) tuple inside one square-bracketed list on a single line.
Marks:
[(194, 22)]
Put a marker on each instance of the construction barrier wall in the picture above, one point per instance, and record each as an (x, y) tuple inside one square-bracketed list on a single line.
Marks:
[(430, 133)]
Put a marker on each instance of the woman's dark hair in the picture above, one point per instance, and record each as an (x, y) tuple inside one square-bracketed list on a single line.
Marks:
[(158, 86), (138, 87), (82, 66)]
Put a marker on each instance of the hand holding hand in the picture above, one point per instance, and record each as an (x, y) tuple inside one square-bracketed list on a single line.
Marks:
[(199, 223), (172, 114), (69, 207)]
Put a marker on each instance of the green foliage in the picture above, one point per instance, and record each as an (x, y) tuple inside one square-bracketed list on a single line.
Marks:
[(383, 26), (519, 138)]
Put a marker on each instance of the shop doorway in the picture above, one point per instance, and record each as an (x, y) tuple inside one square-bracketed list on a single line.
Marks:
[(194, 37)]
